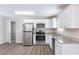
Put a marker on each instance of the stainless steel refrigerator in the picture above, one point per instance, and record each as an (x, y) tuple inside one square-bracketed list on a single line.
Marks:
[(28, 34)]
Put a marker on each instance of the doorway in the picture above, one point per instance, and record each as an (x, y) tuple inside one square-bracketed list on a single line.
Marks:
[(13, 32)]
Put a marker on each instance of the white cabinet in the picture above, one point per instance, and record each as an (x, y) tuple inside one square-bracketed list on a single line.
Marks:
[(34, 38), (64, 18), (72, 16), (49, 40), (66, 49), (58, 48), (75, 16), (68, 18), (54, 23), (60, 20), (70, 49)]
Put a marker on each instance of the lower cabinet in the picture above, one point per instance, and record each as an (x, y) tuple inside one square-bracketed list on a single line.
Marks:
[(66, 48), (70, 49), (34, 38), (58, 48), (49, 40)]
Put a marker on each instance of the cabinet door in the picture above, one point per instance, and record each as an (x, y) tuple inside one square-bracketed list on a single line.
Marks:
[(27, 39), (58, 48), (70, 49), (75, 16), (54, 23), (34, 38), (72, 16), (67, 17), (60, 20), (49, 40)]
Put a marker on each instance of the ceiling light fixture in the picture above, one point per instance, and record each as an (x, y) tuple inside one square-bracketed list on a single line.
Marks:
[(24, 13)]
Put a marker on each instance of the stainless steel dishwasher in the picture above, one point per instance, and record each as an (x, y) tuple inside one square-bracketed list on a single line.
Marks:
[(53, 45)]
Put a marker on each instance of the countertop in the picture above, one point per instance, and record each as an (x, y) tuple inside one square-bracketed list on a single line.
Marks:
[(65, 40)]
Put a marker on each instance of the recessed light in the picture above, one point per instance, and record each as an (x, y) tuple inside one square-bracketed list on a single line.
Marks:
[(24, 13)]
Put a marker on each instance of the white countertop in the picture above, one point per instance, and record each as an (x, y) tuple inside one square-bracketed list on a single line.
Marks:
[(65, 40)]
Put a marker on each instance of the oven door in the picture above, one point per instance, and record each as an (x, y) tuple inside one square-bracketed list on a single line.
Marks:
[(40, 36)]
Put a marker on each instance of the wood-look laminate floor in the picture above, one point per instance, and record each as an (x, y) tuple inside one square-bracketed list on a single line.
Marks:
[(19, 49)]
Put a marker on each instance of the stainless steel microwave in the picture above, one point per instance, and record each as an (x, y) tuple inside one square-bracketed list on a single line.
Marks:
[(40, 25)]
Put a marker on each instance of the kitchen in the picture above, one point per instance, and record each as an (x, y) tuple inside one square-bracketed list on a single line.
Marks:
[(59, 32)]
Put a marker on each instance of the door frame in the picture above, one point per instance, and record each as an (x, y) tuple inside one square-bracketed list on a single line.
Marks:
[(11, 32)]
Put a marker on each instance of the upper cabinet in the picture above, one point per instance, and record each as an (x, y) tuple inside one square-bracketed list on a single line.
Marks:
[(75, 16), (69, 17), (60, 20), (54, 22)]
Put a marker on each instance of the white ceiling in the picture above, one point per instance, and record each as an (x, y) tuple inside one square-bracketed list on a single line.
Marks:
[(41, 10)]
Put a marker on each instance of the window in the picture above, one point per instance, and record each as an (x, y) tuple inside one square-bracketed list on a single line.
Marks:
[(58, 28), (54, 22)]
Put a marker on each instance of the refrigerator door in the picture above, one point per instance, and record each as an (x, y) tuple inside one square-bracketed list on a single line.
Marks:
[(28, 27), (27, 39)]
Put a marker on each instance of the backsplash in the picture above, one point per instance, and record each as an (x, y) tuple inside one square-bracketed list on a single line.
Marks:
[(50, 30), (47, 30), (72, 33)]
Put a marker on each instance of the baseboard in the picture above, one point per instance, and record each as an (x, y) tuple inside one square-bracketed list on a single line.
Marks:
[(40, 44), (2, 42), (18, 41)]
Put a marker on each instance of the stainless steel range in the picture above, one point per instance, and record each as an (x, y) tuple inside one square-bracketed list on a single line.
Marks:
[(40, 33)]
